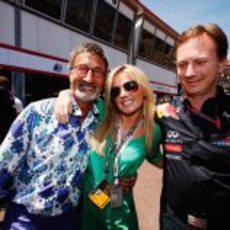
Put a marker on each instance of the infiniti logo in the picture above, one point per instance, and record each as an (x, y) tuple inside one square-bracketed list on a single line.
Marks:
[(172, 134), (226, 114)]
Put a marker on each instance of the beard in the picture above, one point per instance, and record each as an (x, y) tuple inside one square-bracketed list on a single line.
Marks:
[(86, 96)]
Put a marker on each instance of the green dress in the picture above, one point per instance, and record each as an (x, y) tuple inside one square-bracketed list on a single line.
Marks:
[(130, 160)]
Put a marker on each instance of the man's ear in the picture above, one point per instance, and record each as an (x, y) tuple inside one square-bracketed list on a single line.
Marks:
[(222, 65)]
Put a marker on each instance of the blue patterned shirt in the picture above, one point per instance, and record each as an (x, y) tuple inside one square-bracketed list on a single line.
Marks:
[(43, 161)]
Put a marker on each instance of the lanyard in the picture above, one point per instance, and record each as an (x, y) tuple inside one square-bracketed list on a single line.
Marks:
[(118, 148)]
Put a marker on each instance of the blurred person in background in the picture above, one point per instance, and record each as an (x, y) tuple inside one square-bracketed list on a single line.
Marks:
[(4, 82), (7, 109)]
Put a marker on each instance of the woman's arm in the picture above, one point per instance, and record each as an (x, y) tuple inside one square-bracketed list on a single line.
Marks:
[(63, 106), (156, 157)]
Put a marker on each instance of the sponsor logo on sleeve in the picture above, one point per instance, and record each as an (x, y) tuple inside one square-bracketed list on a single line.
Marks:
[(223, 142), (173, 151), (174, 148)]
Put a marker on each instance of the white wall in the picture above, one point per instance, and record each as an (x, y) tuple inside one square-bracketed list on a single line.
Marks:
[(114, 56), (44, 36), (157, 73), (33, 62), (77, 39), (163, 77), (6, 24)]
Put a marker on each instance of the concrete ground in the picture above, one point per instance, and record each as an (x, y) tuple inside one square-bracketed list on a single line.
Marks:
[(147, 196)]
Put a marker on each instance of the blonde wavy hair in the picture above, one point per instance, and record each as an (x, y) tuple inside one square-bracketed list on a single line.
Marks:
[(108, 126)]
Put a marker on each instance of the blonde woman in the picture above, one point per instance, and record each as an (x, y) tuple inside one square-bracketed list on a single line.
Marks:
[(120, 144)]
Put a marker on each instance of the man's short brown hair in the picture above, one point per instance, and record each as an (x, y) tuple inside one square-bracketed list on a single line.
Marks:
[(213, 31)]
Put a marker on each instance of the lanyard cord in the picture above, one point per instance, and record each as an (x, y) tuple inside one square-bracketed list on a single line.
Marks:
[(118, 150)]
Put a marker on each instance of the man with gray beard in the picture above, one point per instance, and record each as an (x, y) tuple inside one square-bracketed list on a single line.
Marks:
[(42, 162)]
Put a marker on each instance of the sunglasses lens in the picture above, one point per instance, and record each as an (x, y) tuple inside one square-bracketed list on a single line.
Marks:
[(131, 86), (128, 86), (115, 91)]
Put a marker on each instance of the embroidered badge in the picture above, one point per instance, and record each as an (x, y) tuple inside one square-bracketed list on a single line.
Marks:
[(167, 110)]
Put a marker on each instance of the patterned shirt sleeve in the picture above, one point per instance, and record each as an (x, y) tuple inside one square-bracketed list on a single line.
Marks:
[(13, 149)]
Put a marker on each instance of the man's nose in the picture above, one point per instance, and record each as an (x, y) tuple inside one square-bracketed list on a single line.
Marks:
[(190, 71), (89, 76)]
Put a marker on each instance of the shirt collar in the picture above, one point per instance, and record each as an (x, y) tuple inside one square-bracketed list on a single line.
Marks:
[(220, 94), (210, 105), (77, 110)]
